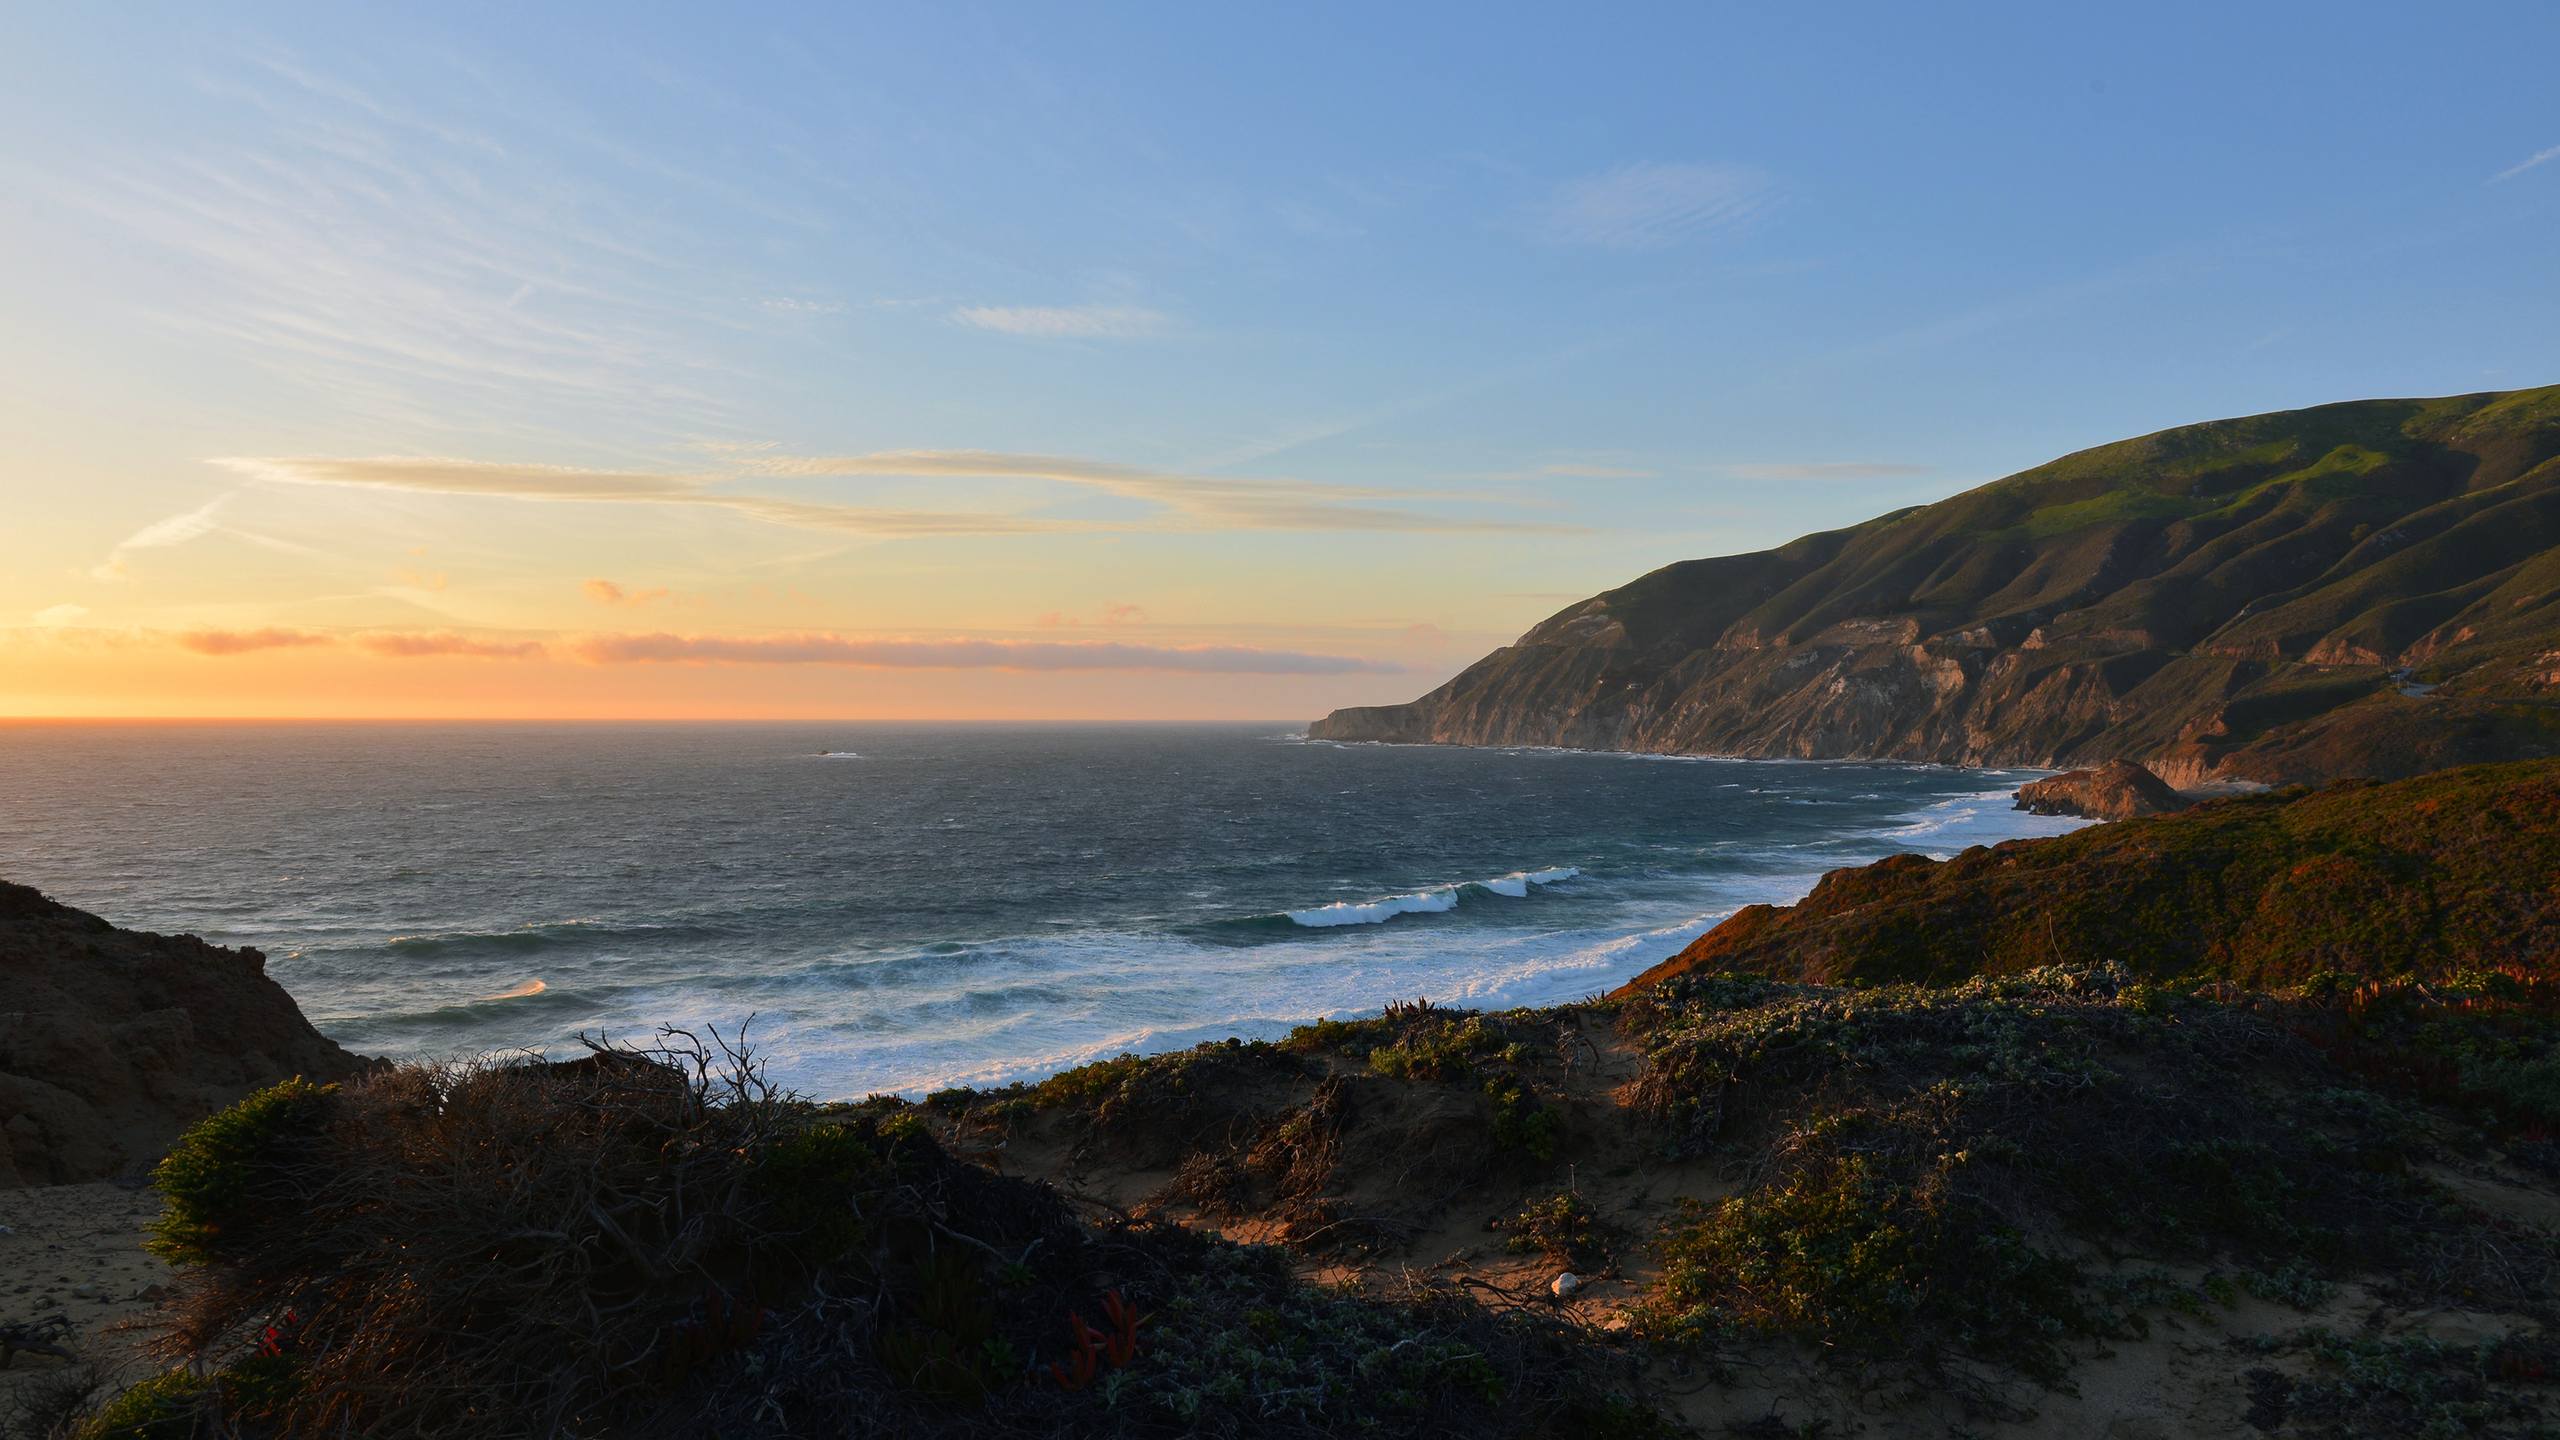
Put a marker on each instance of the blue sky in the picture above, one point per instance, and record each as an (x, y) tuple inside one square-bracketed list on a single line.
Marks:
[(1323, 328)]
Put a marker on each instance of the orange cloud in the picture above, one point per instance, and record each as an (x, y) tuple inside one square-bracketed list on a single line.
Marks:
[(1111, 615), (446, 643), (242, 642)]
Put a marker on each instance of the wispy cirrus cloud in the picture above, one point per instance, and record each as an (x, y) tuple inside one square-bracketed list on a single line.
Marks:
[(160, 534), (2539, 157), (1651, 205), (1197, 502), (55, 616), (964, 654), (1827, 470), (809, 648), (607, 592), (1067, 322), (515, 481), (1176, 501), (245, 642)]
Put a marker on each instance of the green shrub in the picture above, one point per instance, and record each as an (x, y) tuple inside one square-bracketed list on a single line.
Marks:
[(1442, 1047), (1840, 1255), (238, 1171), (814, 1181)]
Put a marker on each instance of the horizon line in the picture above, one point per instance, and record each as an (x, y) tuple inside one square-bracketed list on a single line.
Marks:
[(626, 720)]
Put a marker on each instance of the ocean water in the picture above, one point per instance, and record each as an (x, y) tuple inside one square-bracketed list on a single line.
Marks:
[(902, 907)]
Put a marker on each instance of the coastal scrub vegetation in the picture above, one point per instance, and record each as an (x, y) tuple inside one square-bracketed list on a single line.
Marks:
[(655, 1237)]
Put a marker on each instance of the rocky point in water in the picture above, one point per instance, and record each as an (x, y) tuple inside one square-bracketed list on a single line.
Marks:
[(2117, 790)]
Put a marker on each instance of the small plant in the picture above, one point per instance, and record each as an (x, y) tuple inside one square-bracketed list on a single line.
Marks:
[(1562, 1227), (2294, 1285), (1520, 1124), (1090, 1349), (174, 1405)]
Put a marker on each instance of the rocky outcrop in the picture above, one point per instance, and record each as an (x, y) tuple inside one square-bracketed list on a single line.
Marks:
[(2226, 601), (2117, 790), (112, 1042)]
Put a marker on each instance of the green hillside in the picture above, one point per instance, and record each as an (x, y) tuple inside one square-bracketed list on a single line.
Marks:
[(2448, 873)]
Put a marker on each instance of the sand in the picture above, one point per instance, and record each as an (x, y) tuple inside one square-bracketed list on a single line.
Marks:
[(75, 1252)]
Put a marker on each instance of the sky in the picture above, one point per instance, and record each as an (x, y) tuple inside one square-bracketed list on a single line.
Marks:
[(1146, 361)]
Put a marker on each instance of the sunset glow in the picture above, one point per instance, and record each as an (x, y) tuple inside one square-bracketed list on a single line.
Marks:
[(376, 366)]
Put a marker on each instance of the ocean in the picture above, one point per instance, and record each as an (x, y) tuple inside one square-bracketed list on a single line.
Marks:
[(902, 907)]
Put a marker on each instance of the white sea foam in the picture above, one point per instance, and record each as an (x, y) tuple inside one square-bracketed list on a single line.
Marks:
[(1984, 817), (838, 755)]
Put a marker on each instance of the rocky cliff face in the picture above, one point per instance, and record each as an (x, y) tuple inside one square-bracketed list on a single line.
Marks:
[(2369, 588), (113, 1041)]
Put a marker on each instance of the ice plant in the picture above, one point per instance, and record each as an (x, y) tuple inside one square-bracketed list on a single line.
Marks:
[(1088, 1347)]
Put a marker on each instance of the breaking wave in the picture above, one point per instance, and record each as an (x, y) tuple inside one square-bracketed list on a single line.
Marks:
[(1433, 901)]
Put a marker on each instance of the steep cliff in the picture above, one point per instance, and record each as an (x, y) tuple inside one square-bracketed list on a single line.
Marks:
[(113, 1041), (2369, 588)]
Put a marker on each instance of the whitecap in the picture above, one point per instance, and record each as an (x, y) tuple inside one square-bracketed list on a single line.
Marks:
[(525, 991), (1378, 912)]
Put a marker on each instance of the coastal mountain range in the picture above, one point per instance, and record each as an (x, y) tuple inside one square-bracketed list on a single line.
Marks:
[(2369, 588)]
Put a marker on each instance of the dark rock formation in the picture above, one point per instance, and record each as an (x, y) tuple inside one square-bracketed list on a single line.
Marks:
[(112, 1041), (2117, 790), (2224, 601)]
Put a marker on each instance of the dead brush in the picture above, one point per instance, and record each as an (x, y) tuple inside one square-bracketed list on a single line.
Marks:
[(501, 1248)]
